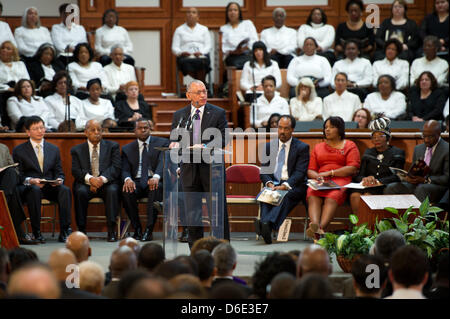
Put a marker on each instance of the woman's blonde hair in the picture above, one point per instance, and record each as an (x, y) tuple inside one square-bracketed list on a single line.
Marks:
[(15, 56), (306, 81)]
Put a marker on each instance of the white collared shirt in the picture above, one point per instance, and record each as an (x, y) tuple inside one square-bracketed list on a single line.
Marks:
[(304, 65), (394, 106), (6, 34), (29, 40), (17, 71), (344, 105), (106, 37), (63, 36), (359, 71), (308, 111), (49, 72), (57, 105), (398, 69), (323, 34), (231, 37), (438, 66), (405, 293), (279, 39), (258, 72), (264, 108), (37, 106), (115, 76), (91, 149), (80, 75), (192, 40), (89, 111)]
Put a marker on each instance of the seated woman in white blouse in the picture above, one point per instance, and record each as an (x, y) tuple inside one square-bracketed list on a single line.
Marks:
[(191, 44), (259, 66), (358, 70), (59, 101), (311, 65), (84, 69), (392, 65), (95, 107), (5, 30), (11, 71), (238, 36), (316, 27), (26, 103), (31, 34), (341, 103), (387, 100), (110, 34), (306, 106)]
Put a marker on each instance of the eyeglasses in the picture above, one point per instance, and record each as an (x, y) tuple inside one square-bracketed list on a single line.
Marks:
[(40, 128), (199, 92)]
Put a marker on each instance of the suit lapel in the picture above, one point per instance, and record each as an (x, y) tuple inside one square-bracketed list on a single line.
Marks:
[(33, 157), (85, 150), (102, 155), (435, 153), (291, 155), (46, 157), (206, 117)]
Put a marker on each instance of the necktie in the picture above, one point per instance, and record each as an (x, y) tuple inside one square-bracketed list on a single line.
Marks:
[(95, 169), (144, 167), (197, 127), (280, 162), (428, 155), (40, 157)]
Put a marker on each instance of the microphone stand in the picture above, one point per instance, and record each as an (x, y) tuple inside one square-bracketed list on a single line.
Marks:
[(67, 109), (253, 98)]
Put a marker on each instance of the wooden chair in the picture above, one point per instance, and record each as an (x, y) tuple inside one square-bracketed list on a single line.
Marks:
[(102, 219), (46, 219)]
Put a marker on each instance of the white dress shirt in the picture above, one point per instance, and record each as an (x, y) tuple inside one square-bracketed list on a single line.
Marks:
[(57, 105), (17, 71), (308, 111), (305, 65), (398, 69), (191, 40), (115, 76), (344, 105), (106, 37), (139, 171), (16, 109), (394, 106), (34, 145), (445, 111), (88, 176), (49, 72), (63, 36), (264, 108), (438, 66), (284, 169), (405, 293), (29, 40), (6, 34), (89, 111), (279, 39), (359, 71), (258, 72), (80, 75), (323, 34), (231, 37)]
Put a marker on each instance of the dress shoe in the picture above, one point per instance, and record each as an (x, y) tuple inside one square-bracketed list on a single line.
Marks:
[(312, 230), (266, 232), (184, 238), (137, 234), (148, 235), (112, 237), (68, 231), (38, 237), (27, 240), (257, 227), (62, 237)]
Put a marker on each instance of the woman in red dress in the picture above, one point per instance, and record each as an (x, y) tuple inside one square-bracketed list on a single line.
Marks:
[(336, 159)]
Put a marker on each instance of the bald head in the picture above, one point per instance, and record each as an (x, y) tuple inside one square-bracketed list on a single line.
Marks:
[(59, 260), (431, 132), (132, 243), (36, 280), (122, 260), (314, 259), (78, 243)]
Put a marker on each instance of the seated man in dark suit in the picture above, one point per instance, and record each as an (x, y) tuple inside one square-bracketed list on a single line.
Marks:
[(96, 169), (142, 167), (291, 159), (39, 161), (434, 151)]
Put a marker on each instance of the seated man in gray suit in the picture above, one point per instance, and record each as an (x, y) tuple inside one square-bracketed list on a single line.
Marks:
[(434, 151)]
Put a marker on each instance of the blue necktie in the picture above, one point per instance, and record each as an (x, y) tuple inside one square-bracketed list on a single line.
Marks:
[(144, 169), (280, 162), (197, 128)]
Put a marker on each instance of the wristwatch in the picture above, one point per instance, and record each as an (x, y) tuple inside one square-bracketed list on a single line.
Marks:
[(428, 180)]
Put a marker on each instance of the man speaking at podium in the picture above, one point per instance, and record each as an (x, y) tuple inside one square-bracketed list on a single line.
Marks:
[(195, 119)]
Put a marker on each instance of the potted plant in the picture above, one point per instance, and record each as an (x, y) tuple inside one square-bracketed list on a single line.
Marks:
[(349, 246)]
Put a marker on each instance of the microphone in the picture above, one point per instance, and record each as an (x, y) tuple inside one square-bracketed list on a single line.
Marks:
[(189, 122), (179, 123)]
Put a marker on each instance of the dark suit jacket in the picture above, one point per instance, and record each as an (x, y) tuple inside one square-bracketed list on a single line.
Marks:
[(297, 165), (37, 73), (25, 155), (438, 164), (109, 161), (130, 157)]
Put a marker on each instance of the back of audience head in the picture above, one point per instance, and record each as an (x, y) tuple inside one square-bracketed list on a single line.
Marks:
[(149, 288), (92, 277), (78, 243), (225, 259), (228, 290), (205, 263), (314, 259), (189, 284), (20, 256), (282, 286), (34, 280), (268, 268), (150, 256), (132, 243), (362, 268), (5, 266), (188, 261), (128, 280), (387, 243), (123, 259), (208, 243), (171, 268), (409, 268), (59, 260), (313, 286), (442, 271)]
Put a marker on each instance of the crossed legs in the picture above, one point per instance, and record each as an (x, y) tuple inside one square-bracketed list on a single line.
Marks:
[(320, 211)]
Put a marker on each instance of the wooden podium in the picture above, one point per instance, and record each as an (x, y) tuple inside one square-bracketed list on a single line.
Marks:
[(372, 206), (8, 233)]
